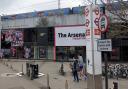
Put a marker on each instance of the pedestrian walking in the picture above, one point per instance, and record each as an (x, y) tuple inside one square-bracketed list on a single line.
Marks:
[(1, 54), (75, 70), (81, 64)]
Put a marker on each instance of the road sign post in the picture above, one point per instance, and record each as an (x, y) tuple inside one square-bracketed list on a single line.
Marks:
[(104, 45), (93, 57)]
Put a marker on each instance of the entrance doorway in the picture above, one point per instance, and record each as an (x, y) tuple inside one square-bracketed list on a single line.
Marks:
[(66, 53)]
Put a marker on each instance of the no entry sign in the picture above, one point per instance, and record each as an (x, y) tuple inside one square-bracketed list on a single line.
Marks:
[(103, 23)]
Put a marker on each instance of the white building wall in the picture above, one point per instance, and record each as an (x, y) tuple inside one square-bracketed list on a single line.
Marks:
[(74, 19)]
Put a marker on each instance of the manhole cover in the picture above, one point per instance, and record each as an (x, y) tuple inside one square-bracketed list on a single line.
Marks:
[(11, 74), (17, 88)]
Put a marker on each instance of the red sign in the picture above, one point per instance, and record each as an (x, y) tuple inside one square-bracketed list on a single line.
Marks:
[(96, 21), (97, 32), (97, 11), (87, 23), (103, 23), (86, 12), (88, 32)]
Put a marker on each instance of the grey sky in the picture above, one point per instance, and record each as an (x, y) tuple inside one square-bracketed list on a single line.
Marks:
[(21, 6)]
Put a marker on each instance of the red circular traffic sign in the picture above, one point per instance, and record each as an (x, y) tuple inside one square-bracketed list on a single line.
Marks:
[(103, 23)]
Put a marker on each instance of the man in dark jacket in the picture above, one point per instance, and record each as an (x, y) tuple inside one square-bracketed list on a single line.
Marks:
[(75, 70)]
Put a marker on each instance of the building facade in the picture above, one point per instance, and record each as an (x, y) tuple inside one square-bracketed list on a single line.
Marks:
[(23, 37)]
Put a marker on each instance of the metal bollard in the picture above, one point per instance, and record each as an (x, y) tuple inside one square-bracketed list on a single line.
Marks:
[(66, 84), (22, 70), (48, 86), (115, 85), (11, 67), (7, 64), (28, 69), (31, 74)]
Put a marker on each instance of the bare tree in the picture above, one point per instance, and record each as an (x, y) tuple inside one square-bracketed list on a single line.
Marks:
[(43, 22), (118, 13)]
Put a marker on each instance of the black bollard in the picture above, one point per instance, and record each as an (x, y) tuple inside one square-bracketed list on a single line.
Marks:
[(28, 69), (48, 84), (66, 84), (36, 71), (115, 85), (61, 69), (31, 73)]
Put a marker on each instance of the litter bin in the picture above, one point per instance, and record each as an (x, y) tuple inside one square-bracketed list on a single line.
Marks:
[(28, 69), (32, 70), (35, 71)]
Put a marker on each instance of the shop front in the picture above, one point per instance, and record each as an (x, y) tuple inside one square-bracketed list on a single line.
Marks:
[(12, 43), (41, 42), (69, 41), (27, 43), (66, 53)]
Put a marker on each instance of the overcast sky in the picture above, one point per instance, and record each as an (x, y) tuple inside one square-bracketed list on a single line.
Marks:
[(22, 6)]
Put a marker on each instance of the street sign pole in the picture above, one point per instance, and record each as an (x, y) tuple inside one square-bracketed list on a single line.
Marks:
[(92, 41), (103, 25), (93, 57), (106, 71)]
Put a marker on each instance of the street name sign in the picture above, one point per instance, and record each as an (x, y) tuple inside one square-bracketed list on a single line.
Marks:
[(104, 45)]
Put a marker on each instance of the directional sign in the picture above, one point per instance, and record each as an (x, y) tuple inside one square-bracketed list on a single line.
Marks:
[(96, 21), (88, 32), (86, 12), (104, 45), (97, 11), (87, 22), (103, 23)]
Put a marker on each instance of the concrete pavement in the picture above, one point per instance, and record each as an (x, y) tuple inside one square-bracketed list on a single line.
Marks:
[(15, 82), (57, 81)]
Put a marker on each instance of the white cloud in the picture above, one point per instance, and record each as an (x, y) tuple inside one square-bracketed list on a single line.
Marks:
[(22, 6)]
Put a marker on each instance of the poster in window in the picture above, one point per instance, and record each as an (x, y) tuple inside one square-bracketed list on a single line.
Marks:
[(13, 51), (27, 52), (13, 36), (17, 38), (42, 52)]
